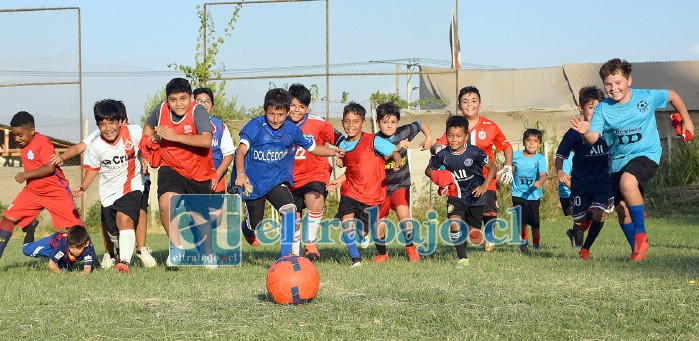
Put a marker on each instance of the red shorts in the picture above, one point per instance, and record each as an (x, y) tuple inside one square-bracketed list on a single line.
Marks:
[(399, 197), (28, 205)]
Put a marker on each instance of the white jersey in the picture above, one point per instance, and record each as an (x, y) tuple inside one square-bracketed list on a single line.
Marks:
[(118, 163), (91, 137)]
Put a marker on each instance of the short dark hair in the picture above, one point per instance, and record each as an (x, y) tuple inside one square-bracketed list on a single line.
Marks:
[(457, 122), (612, 66), (206, 91), (77, 236), (355, 108), (277, 98), (386, 110), (122, 110), (106, 109), (533, 132), (22, 119), (178, 85), (588, 94), (469, 90), (301, 93)]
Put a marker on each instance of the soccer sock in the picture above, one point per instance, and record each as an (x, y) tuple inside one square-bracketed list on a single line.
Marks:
[(592, 234), (197, 240), (636, 213), (348, 239), (408, 234), (380, 245), (459, 244), (525, 234), (29, 231), (488, 228), (288, 230), (6, 228), (578, 234), (628, 233), (203, 238), (536, 236), (127, 241), (247, 231), (296, 246), (313, 224)]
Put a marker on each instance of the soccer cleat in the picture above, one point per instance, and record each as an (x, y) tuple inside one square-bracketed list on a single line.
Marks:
[(584, 254), (537, 247), (411, 253), (312, 252), (209, 262), (146, 258), (123, 267), (356, 264), (640, 247), (571, 236), (488, 246), (364, 243), (252, 240), (462, 263), (107, 262), (381, 258), (524, 247)]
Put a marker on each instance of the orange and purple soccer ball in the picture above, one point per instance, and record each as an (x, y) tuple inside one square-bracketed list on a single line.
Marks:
[(292, 280)]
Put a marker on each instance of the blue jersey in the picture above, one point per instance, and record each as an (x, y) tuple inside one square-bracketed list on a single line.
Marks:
[(591, 162), (217, 135), (270, 157), (630, 128), (382, 146), (527, 170), (563, 190), (55, 247), (467, 168)]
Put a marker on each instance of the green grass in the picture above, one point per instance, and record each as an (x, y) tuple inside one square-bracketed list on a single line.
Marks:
[(548, 294)]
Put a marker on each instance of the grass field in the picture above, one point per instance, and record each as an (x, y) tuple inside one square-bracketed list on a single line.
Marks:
[(549, 294)]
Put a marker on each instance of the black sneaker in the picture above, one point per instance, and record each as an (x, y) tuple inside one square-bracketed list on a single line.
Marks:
[(571, 236), (29, 231)]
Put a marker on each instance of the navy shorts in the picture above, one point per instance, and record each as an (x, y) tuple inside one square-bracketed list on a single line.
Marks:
[(588, 199), (472, 215)]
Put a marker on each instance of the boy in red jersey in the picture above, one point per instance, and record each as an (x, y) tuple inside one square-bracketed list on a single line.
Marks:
[(184, 130), (484, 134), (311, 173), (365, 184), (47, 187)]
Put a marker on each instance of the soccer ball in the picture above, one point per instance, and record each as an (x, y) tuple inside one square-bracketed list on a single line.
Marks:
[(292, 280)]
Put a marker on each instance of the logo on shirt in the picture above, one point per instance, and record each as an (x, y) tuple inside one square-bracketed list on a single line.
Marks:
[(59, 255), (642, 106), (481, 135), (468, 162), (30, 155), (187, 129), (88, 258), (128, 145)]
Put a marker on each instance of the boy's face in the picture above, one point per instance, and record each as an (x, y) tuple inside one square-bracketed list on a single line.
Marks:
[(470, 104), (456, 136), (298, 111), (588, 109), (179, 103), (532, 144), (204, 100), (275, 116), (388, 125), (353, 125), (109, 129), (23, 135), (76, 251), (617, 87)]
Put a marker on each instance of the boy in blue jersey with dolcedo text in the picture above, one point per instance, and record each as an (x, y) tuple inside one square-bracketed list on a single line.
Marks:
[(626, 119), (64, 249), (462, 176), (590, 180), (529, 175), (264, 164)]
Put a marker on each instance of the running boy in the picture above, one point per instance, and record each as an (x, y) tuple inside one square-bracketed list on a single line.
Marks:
[(311, 173), (485, 134), (463, 174), (398, 181), (64, 249), (590, 180), (529, 175), (115, 158), (264, 164), (47, 187), (627, 120)]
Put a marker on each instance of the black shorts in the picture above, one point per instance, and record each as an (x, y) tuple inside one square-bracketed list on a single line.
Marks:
[(299, 194), (584, 200), (530, 212), (472, 215), (171, 181), (641, 167), (566, 206), (129, 204), (350, 206), (278, 196), (491, 206)]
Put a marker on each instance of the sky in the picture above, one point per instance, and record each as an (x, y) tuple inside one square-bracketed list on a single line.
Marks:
[(127, 45)]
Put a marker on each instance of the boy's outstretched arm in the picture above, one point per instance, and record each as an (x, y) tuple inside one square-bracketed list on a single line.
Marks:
[(506, 171), (678, 104), (89, 177), (73, 151), (240, 165), (579, 124), (327, 151), (86, 270), (427, 143), (40, 172), (562, 176), (334, 184), (54, 267), (202, 140), (542, 178)]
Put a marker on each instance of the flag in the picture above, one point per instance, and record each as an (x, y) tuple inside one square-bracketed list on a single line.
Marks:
[(454, 44)]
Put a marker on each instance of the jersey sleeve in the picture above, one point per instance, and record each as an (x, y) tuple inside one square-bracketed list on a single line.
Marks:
[(481, 157), (89, 255), (227, 146), (92, 159), (91, 137), (434, 163), (543, 167), (249, 133), (500, 141), (59, 252), (302, 140), (566, 145), (383, 146), (408, 131), (597, 121), (44, 154), (201, 119), (330, 134), (154, 116), (660, 98), (568, 166)]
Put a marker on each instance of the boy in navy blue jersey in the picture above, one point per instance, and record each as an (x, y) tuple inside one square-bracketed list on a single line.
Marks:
[(264, 164), (463, 175), (590, 180), (627, 120), (63, 249), (529, 175)]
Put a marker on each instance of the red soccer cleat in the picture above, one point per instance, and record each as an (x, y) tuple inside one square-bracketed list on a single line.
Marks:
[(640, 247), (123, 267), (411, 253), (584, 254), (381, 259), (312, 252), (252, 240)]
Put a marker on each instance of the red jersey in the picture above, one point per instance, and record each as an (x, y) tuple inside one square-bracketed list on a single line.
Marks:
[(191, 162), (365, 172), (485, 135), (36, 154), (308, 167)]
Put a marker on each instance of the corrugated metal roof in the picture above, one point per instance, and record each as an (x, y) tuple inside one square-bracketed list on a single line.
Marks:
[(681, 76)]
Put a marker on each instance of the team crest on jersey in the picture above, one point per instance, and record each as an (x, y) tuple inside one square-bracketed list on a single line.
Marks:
[(187, 129), (642, 106), (30, 155), (468, 162), (450, 208), (128, 145), (59, 255), (481, 135)]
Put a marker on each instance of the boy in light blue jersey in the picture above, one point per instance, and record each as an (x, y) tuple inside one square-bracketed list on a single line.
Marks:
[(529, 175), (627, 121)]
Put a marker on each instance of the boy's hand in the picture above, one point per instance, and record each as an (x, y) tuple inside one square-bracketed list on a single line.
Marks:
[(564, 178), (20, 177), (339, 162), (426, 144), (166, 133), (480, 190), (334, 184), (537, 184), (403, 144), (580, 125), (56, 160), (505, 174), (339, 152), (78, 192), (397, 164)]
